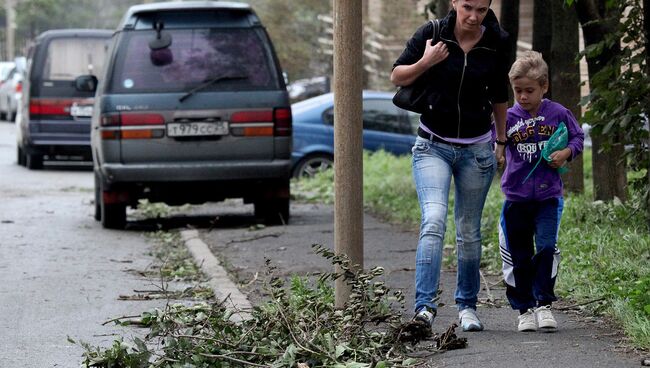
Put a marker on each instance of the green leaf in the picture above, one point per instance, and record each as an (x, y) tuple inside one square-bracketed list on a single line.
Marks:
[(409, 361), (340, 350)]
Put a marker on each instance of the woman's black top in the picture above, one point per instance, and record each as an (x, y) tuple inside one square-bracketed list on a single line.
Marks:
[(463, 87)]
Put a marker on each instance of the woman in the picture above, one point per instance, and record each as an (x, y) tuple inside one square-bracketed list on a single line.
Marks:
[(466, 68)]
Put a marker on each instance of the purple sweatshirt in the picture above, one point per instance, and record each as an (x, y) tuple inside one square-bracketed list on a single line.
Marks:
[(526, 137)]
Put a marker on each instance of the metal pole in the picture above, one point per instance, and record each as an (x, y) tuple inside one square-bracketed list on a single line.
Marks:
[(348, 142)]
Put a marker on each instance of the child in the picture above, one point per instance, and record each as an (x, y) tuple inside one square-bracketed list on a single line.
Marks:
[(530, 217)]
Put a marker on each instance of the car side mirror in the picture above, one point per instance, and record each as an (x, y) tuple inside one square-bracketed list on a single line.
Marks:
[(86, 83)]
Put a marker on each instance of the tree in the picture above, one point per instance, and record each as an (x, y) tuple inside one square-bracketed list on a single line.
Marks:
[(295, 29), (543, 33), (510, 23), (565, 76), (601, 25)]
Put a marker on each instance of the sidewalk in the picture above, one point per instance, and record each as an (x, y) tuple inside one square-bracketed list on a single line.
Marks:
[(244, 251)]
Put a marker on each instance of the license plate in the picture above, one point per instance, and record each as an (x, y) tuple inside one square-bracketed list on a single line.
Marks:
[(83, 111), (197, 129)]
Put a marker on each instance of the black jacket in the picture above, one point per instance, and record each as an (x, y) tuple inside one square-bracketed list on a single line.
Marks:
[(463, 87)]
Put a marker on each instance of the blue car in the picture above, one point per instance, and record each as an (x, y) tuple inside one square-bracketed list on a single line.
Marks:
[(385, 127)]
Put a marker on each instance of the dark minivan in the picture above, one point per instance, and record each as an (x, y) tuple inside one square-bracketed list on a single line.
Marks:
[(55, 115), (192, 108)]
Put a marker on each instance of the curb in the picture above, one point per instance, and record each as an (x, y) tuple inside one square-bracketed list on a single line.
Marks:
[(224, 288)]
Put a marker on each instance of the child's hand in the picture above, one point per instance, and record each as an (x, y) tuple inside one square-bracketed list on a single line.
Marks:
[(558, 158)]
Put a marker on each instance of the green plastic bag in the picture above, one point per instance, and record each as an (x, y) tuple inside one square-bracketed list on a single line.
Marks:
[(558, 141)]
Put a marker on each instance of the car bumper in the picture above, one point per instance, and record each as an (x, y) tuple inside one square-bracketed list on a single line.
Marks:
[(198, 171)]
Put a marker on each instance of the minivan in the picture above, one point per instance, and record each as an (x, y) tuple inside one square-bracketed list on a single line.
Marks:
[(55, 117), (192, 108)]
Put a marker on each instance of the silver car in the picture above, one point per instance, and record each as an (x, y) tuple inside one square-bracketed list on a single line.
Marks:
[(192, 108)]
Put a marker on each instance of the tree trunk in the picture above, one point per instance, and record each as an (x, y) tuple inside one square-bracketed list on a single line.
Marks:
[(609, 167), (542, 32), (510, 23), (565, 78), (646, 27)]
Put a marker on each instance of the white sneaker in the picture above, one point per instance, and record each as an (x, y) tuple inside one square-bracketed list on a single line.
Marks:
[(469, 320), (425, 315), (545, 319), (527, 321)]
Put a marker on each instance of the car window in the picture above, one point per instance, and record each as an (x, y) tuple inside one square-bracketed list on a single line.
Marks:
[(414, 121), (194, 57), (68, 58), (383, 116)]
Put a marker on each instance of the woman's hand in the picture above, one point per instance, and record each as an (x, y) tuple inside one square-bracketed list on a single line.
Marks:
[(433, 54), (558, 158), (500, 157)]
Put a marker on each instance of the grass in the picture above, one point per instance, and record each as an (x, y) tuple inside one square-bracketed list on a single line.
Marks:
[(605, 246)]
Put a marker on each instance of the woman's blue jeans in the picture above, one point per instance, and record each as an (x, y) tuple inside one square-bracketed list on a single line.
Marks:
[(472, 168)]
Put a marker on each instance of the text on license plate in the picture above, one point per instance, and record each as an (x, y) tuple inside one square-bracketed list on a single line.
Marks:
[(81, 110), (195, 129)]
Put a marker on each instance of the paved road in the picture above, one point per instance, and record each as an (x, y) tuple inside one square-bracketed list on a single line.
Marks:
[(244, 249), (60, 272)]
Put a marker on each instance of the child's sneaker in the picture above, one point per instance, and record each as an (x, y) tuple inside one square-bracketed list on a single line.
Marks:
[(545, 320), (527, 321), (469, 320), (425, 315)]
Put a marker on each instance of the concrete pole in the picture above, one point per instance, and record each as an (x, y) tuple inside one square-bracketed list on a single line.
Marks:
[(348, 143), (11, 27)]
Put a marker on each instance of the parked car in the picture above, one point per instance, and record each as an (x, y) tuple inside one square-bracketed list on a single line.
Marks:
[(193, 108), (385, 127), (11, 90), (55, 117), (5, 68)]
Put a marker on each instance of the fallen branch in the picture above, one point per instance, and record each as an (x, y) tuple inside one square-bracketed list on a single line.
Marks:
[(217, 356), (490, 297), (575, 306), (252, 238), (119, 319)]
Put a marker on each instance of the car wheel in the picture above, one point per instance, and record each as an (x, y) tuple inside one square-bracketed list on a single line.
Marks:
[(20, 156), (273, 211), (98, 206), (113, 216), (34, 161), (311, 165)]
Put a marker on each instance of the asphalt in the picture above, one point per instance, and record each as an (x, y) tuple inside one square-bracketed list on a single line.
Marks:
[(235, 252)]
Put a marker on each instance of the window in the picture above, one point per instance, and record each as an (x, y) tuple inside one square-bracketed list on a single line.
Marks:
[(383, 116), (194, 57), (68, 58)]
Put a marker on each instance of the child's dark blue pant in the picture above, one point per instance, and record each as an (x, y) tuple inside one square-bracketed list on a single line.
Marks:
[(528, 246)]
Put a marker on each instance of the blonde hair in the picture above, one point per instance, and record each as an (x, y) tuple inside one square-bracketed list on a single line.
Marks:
[(530, 65)]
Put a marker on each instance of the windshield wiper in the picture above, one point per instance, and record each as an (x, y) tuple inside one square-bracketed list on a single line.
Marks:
[(209, 83)]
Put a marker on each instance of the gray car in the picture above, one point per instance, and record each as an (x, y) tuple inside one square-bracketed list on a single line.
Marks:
[(54, 119), (192, 108)]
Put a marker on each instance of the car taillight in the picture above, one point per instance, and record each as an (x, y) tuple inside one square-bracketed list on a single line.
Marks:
[(49, 107), (122, 125), (131, 119), (282, 122), (19, 87), (276, 122)]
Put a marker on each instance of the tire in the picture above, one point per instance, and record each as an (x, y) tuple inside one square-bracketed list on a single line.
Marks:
[(98, 205), (34, 161), (311, 165), (20, 156), (273, 211), (113, 216)]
